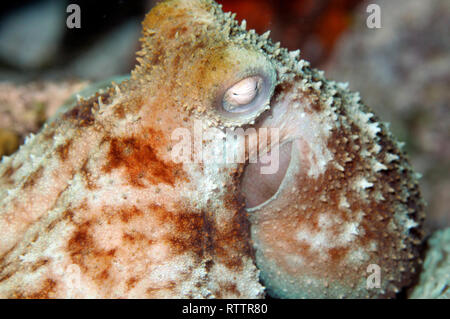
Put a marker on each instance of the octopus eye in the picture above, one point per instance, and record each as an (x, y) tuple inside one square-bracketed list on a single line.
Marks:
[(240, 96)]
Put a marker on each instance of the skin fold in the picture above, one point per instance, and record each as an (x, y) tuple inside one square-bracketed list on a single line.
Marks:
[(96, 205)]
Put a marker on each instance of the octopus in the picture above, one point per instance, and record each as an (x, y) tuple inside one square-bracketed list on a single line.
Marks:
[(125, 195)]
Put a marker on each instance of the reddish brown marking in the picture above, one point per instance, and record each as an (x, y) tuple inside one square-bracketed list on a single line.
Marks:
[(180, 29), (126, 214), (8, 172), (48, 135), (67, 214), (103, 275), (208, 265), (87, 175), (337, 253), (316, 106), (232, 241), (131, 283), (63, 150), (187, 234), (156, 57), (228, 243), (39, 264), (7, 175), (176, 62), (140, 161), (80, 242), (135, 237), (119, 111), (229, 289), (6, 276), (4, 256), (46, 292), (128, 237), (151, 291), (33, 178), (82, 113), (200, 233)]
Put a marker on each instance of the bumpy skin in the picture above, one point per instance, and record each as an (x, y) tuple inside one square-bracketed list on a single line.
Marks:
[(95, 206)]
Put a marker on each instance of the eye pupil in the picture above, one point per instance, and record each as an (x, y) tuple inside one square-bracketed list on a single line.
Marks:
[(242, 93)]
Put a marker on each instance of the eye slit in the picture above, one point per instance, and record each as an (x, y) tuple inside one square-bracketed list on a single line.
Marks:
[(242, 93)]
